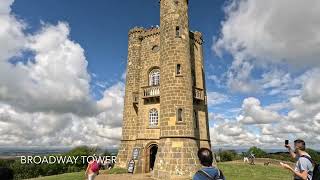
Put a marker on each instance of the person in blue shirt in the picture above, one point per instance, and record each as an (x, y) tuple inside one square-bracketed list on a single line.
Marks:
[(207, 172)]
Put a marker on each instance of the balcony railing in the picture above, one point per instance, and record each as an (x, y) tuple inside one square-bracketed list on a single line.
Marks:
[(151, 91), (154, 91), (198, 94)]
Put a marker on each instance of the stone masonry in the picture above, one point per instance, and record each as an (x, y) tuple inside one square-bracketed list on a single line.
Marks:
[(165, 118)]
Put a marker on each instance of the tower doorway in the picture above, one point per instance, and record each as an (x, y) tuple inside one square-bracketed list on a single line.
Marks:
[(151, 157)]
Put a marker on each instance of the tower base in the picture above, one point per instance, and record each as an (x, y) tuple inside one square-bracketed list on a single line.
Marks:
[(177, 159), (123, 156)]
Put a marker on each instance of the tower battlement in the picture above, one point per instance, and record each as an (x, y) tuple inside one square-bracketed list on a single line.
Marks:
[(155, 31), (197, 36), (144, 32)]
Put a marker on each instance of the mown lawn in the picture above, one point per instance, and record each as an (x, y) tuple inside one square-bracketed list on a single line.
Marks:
[(232, 171), (67, 176), (79, 175), (254, 172)]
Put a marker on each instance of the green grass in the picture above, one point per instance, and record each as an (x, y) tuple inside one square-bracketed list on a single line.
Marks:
[(79, 175), (67, 176), (234, 171), (115, 171)]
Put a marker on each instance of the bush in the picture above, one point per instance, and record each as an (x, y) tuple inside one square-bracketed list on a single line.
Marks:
[(228, 155)]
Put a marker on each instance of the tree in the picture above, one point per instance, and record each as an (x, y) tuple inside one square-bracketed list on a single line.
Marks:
[(259, 153), (315, 155), (229, 155)]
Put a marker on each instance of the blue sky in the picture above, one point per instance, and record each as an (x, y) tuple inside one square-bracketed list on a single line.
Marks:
[(101, 27), (68, 58)]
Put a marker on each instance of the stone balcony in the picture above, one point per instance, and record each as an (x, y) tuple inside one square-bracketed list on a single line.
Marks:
[(151, 91), (198, 94)]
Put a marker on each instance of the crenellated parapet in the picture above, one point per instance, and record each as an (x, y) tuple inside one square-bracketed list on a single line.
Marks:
[(143, 33), (153, 31), (136, 30), (197, 37), (177, 1)]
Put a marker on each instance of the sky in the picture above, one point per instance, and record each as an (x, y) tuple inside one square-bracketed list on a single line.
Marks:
[(63, 63)]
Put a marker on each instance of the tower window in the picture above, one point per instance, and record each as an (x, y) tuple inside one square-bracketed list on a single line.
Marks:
[(155, 48), (178, 32), (154, 77), (153, 118), (194, 80), (196, 118), (180, 115), (178, 70)]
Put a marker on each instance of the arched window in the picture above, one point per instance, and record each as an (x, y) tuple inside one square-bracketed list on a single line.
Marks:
[(153, 117), (154, 77), (180, 115)]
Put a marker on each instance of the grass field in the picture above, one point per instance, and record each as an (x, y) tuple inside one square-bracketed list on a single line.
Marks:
[(78, 175), (232, 171), (67, 176)]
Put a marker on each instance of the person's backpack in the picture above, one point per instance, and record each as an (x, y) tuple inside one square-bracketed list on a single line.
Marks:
[(220, 175), (316, 169), (94, 166)]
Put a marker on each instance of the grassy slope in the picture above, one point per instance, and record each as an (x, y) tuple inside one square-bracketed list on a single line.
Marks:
[(231, 171), (256, 172)]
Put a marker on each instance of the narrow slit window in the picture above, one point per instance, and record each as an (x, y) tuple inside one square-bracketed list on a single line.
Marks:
[(178, 69), (196, 119), (179, 114), (177, 32)]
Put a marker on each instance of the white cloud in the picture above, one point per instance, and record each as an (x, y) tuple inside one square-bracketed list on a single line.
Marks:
[(276, 31), (272, 43), (12, 38), (45, 100), (264, 126), (238, 77), (64, 129), (311, 89), (233, 134), (265, 33), (253, 113), (5, 6), (278, 106), (57, 78), (215, 98)]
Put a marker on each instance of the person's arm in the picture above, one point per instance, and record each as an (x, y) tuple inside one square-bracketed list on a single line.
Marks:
[(303, 175), (87, 170), (293, 155)]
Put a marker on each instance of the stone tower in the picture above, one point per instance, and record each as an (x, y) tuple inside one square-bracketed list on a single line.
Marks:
[(165, 119)]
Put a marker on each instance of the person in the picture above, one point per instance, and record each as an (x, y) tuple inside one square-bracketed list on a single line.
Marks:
[(6, 173), (304, 167), (207, 171), (252, 158), (93, 169)]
